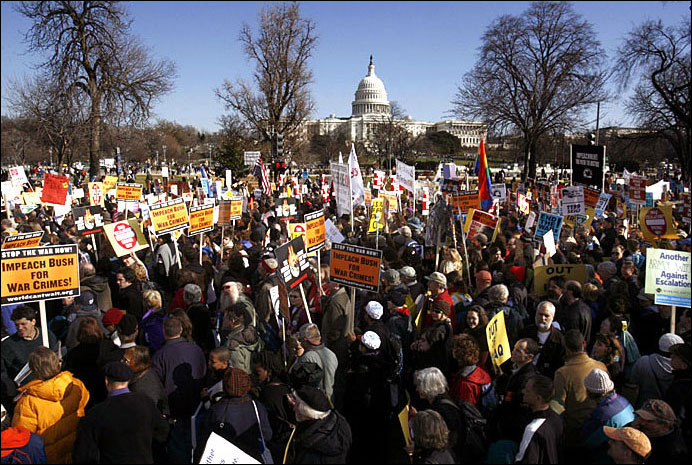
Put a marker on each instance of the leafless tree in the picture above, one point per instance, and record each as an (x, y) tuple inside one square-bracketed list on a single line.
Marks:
[(92, 55), (659, 57), (391, 139), (278, 101), (535, 73)]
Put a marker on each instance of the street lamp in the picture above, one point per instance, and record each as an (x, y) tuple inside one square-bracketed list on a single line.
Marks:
[(164, 154), (211, 147)]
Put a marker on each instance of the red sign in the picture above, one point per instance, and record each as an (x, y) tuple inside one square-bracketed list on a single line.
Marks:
[(54, 189), (655, 221), (638, 190)]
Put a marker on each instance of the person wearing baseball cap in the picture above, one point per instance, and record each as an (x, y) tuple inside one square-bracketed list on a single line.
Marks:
[(657, 420), (627, 445), (437, 289)]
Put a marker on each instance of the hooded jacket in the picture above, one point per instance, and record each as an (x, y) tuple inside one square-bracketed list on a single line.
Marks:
[(52, 408), (469, 384), (21, 443), (242, 342), (654, 375), (323, 441), (99, 286)]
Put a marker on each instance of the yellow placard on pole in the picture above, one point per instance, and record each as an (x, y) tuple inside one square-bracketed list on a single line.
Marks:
[(498, 344), (377, 207), (109, 183), (169, 216), (657, 223), (315, 231), (128, 192), (201, 219), (403, 421)]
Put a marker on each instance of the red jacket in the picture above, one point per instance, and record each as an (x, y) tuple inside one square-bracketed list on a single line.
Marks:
[(469, 388)]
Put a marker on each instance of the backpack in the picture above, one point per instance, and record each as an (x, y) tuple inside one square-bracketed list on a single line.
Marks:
[(475, 445)]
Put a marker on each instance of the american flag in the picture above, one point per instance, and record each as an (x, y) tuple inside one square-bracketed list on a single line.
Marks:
[(261, 174)]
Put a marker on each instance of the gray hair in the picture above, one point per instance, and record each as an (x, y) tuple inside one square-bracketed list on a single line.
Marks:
[(431, 382), (548, 306), (192, 294), (608, 267), (498, 294)]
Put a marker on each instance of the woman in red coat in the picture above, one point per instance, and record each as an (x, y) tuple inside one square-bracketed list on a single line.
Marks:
[(471, 381)]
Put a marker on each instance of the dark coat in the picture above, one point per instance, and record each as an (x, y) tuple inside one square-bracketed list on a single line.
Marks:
[(86, 361), (511, 415), (575, 316), (552, 354), (120, 429), (181, 366), (545, 445), (149, 384), (201, 319), (130, 300), (322, 441), (15, 352)]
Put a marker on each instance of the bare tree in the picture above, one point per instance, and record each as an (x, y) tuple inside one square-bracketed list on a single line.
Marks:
[(660, 57), (280, 50), (536, 73), (93, 55), (60, 120), (391, 139)]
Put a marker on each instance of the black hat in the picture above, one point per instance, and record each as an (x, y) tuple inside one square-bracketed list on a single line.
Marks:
[(315, 398), (87, 301), (127, 325), (305, 374), (117, 371)]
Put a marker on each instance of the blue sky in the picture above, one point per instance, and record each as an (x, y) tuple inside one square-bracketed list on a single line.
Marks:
[(421, 49)]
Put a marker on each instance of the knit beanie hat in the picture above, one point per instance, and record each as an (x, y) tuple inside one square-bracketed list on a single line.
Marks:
[(236, 383), (598, 382)]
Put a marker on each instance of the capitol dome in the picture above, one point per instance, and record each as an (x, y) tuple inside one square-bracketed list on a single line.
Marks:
[(371, 96)]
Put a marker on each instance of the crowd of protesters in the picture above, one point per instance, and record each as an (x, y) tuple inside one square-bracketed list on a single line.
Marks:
[(159, 351)]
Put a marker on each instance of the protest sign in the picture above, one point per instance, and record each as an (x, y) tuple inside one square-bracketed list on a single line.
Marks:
[(638, 190), (584, 220), (219, 450), (39, 273), (378, 180), (546, 222), (88, 220), (287, 209), (668, 277), (542, 275), (96, 193), (315, 231), (332, 232), (109, 183), (650, 200), (406, 175), (224, 213), (342, 187), (169, 216), (500, 192), (125, 237), (466, 200), (32, 198), (376, 222), (549, 243), (573, 200), (356, 266), (602, 203), (657, 223), (686, 208), (18, 176), (498, 343), (21, 241), (587, 162), (522, 204), (591, 196), (236, 212), (293, 262), (250, 158), (55, 189), (128, 192), (530, 221), (295, 230), (478, 221), (391, 201), (77, 193), (201, 219)]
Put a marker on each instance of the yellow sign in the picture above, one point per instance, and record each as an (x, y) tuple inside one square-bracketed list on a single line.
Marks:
[(32, 198), (169, 216), (40, 273), (125, 237), (657, 223), (109, 183), (97, 193), (542, 274), (377, 207), (403, 422), (498, 344), (585, 220), (201, 219), (315, 231), (21, 241), (236, 208), (128, 192)]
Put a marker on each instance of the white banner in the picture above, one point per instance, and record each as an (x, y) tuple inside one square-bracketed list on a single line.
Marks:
[(357, 189), (18, 176), (219, 450), (250, 158), (406, 175), (342, 187), (573, 200)]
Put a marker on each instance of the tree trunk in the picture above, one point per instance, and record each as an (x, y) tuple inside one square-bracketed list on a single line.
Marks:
[(525, 174), (532, 160), (95, 142)]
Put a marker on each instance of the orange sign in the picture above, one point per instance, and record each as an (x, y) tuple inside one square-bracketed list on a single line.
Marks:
[(128, 192), (40, 273), (224, 213), (236, 208), (465, 201), (356, 266), (591, 196), (201, 219), (315, 234), (169, 216), (21, 241)]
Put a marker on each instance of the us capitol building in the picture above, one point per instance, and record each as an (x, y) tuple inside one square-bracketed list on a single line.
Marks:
[(371, 108)]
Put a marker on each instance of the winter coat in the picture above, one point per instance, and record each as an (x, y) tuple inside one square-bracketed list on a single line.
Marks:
[(552, 355), (201, 319), (575, 316), (151, 329), (76, 319), (15, 351), (679, 399), (542, 440), (433, 456), (614, 411), (654, 375), (181, 366), (469, 384), (52, 408), (85, 363), (99, 286), (335, 325), (130, 300), (149, 384), (20, 443), (242, 342), (322, 441), (571, 393), (327, 361)]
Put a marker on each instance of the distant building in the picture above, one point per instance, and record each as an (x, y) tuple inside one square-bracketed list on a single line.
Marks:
[(371, 108)]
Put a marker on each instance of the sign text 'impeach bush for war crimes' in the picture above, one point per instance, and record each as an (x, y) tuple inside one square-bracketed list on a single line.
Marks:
[(169, 216), (21, 241), (315, 233), (39, 273), (356, 266), (201, 219)]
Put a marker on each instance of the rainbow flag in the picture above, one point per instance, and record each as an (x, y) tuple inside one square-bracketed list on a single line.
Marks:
[(485, 188)]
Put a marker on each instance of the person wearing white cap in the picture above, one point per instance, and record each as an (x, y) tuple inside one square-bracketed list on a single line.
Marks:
[(408, 277), (612, 410), (653, 373)]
